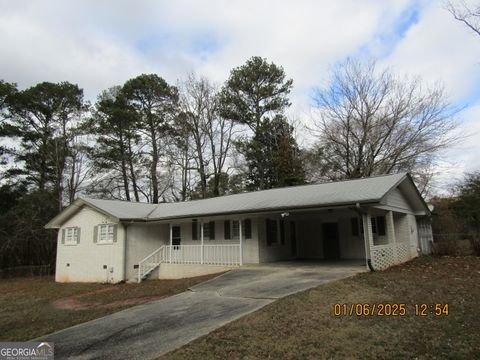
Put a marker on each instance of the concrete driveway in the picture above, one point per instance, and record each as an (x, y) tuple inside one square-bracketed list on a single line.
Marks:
[(150, 330)]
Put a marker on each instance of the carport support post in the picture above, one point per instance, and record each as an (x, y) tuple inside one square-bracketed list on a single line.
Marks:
[(241, 242), (201, 239), (171, 241), (391, 234)]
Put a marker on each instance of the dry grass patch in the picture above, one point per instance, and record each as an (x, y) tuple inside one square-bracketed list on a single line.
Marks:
[(302, 326), (31, 307)]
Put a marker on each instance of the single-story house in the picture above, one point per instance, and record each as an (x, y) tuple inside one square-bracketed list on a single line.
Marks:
[(381, 220)]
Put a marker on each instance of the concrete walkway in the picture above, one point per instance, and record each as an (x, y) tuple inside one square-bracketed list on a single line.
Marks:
[(150, 330)]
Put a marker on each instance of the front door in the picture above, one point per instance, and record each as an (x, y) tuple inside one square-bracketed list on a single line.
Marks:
[(331, 242), (176, 236)]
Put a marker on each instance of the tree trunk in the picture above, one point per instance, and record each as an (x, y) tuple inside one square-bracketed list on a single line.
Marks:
[(132, 171), (153, 168)]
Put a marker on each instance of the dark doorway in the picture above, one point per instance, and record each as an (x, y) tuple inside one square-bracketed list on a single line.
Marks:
[(331, 242), (176, 236), (293, 238)]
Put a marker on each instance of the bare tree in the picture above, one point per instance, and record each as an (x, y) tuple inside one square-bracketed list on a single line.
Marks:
[(210, 133), (78, 169), (371, 122), (465, 13)]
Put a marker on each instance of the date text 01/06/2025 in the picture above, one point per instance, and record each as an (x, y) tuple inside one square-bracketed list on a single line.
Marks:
[(390, 310)]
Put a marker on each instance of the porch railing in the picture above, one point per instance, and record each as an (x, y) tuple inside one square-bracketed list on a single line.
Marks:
[(211, 254)]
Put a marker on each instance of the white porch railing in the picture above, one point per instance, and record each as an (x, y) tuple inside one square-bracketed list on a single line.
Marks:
[(217, 254)]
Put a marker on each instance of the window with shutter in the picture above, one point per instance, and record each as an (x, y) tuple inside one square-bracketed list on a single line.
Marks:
[(106, 233)]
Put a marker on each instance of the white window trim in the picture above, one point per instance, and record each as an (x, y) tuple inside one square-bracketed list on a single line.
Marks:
[(71, 236), (109, 234)]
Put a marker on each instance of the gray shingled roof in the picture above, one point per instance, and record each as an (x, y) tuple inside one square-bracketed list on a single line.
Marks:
[(366, 190), (123, 209)]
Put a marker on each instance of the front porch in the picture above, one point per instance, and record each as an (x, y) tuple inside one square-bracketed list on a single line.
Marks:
[(376, 236), (201, 244)]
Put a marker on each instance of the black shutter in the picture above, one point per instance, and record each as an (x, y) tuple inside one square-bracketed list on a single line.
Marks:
[(354, 223), (226, 229), (194, 229), (211, 230), (381, 225), (268, 231), (247, 227), (282, 231), (271, 226), (373, 222)]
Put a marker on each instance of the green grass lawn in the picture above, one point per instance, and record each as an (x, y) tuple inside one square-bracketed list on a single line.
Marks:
[(30, 307), (302, 326)]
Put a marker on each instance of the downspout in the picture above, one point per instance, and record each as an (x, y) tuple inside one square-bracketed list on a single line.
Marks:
[(358, 209)]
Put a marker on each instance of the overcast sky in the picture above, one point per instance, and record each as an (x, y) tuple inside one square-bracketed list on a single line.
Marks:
[(98, 44)]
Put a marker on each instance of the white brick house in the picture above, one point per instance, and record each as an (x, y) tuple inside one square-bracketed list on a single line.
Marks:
[(381, 220)]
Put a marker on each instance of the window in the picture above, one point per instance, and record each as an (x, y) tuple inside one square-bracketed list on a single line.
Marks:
[(381, 225), (235, 229), (271, 227), (231, 229), (194, 229), (71, 236), (378, 225), (209, 230), (106, 233), (354, 226)]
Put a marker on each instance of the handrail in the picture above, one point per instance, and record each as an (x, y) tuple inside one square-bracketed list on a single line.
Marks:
[(145, 266)]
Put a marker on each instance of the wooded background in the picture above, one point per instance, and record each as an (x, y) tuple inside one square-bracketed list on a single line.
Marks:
[(151, 141)]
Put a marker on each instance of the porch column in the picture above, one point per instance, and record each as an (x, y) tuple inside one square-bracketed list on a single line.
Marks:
[(241, 241), (171, 241), (367, 236), (201, 239), (391, 234)]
